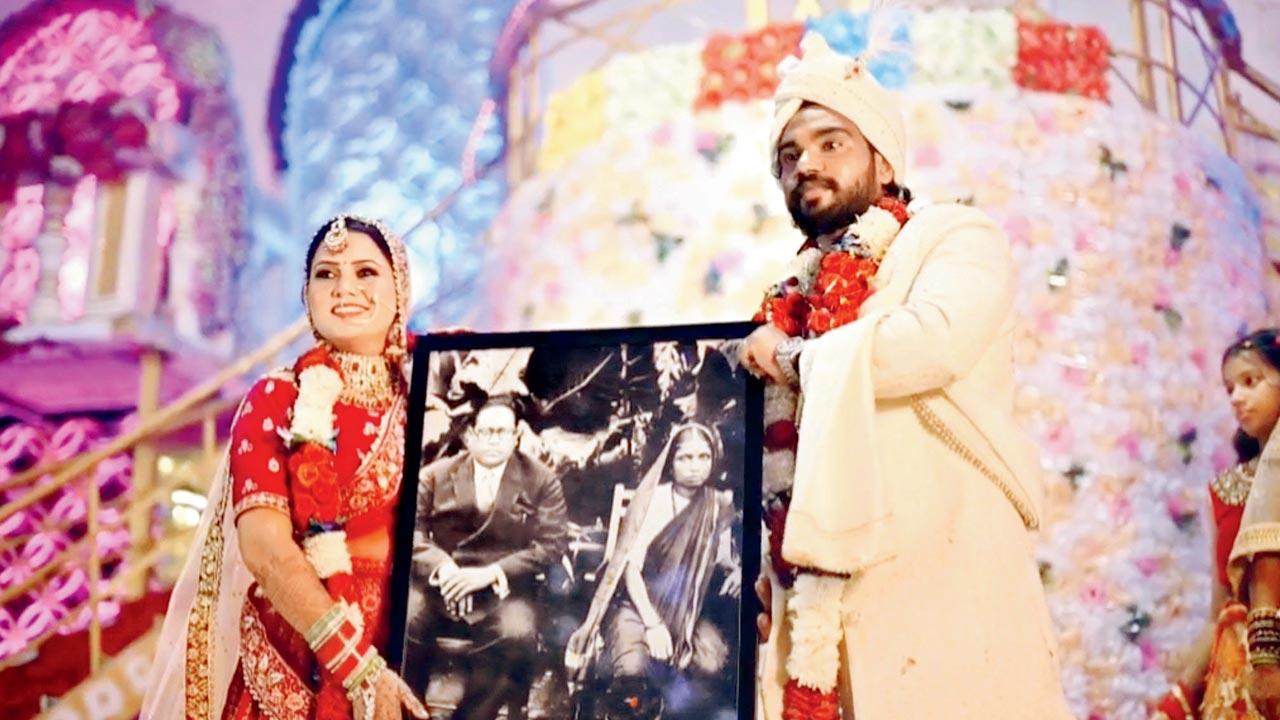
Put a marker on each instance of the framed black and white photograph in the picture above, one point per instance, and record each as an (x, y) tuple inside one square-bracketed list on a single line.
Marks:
[(580, 525)]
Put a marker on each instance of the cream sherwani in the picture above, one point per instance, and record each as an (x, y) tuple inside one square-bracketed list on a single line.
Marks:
[(945, 615)]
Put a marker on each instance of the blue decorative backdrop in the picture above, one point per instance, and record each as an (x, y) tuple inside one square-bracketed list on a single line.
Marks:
[(378, 104)]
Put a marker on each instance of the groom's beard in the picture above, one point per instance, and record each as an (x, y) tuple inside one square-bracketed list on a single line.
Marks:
[(840, 213)]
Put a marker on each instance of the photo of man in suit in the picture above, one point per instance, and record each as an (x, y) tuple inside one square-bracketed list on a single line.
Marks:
[(490, 519)]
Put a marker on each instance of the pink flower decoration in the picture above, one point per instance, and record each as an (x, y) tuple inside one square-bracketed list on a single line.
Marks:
[(1199, 359), (1148, 566), (1079, 377), (928, 156), (21, 445), (1060, 439), (1046, 321), (1131, 442), (1082, 242), (1122, 509), (1095, 594), (43, 547), (74, 437), (1139, 353), (1222, 458), (14, 568), (1150, 654), (12, 641), (1177, 506), (51, 603), (1018, 228)]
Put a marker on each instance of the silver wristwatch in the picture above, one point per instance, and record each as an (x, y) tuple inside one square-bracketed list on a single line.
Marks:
[(787, 354)]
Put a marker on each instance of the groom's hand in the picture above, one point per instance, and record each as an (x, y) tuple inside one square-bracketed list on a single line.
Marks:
[(758, 353), (764, 620)]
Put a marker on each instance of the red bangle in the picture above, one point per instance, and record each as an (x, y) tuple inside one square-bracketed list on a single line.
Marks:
[(1176, 704), (344, 650)]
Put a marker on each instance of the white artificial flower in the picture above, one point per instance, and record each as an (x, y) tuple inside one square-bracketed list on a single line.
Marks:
[(780, 403), (778, 468), (813, 608), (327, 552), (318, 390), (875, 229)]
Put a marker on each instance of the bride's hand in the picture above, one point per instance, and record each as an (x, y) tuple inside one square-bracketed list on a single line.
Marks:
[(390, 695)]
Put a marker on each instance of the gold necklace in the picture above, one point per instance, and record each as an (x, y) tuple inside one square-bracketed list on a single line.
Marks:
[(366, 380)]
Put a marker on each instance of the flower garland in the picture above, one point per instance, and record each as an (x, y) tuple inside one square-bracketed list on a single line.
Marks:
[(822, 291), (311, 438)]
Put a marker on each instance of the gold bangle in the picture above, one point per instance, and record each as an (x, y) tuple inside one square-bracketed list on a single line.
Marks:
[(322, 629), (1259, 658), (1264, 613)]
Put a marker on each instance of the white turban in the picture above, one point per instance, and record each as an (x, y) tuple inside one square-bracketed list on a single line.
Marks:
[(844, 85)]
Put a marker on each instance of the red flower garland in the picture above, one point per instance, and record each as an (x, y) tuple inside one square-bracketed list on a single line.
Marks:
[(313, 467), (745, 67), (1061, 58), (315, 493), (841, 285)]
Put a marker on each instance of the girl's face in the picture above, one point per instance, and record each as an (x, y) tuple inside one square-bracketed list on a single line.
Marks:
[(692, 463), (1254, 388), (352, 295)]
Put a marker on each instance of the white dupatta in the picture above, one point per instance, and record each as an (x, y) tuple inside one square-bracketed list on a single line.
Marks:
[(199, 644)]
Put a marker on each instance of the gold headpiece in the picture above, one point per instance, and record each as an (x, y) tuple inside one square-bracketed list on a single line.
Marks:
[(336, 237)]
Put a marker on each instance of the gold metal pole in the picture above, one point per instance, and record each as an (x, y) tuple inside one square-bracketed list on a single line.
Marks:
[(1226, 106), (95, 578), (1171, 58), (144, 457), (209, 442), (1146, 83)]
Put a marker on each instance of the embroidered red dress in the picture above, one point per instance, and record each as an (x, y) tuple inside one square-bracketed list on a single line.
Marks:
[(278, 676), (1226, 695)]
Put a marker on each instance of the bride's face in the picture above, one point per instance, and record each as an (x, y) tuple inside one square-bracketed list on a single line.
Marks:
[(692, 463), (352, 295)]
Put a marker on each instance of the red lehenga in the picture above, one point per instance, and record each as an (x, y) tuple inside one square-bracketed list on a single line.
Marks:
[(1226, 694), (242, 660)]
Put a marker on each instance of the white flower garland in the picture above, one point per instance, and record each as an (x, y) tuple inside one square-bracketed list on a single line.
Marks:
[(318, 389), (875, 230), (779, 466), (813, 607), (804, 268), (814, 604), (327, 552)]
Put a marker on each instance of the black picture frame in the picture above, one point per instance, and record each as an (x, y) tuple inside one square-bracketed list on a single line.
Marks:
[(716, 375)]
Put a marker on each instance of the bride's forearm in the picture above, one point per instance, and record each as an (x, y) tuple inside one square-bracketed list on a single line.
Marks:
[(283, 573)]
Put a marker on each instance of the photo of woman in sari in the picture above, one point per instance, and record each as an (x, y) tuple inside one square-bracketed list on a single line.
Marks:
[(678, 531)]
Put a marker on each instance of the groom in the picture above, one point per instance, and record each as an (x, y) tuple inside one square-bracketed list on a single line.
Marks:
[(910, 406)]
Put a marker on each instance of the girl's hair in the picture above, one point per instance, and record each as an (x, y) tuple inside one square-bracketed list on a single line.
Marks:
[(353, 225), (1263, 342)]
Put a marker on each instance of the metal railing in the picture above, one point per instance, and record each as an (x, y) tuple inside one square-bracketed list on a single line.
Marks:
[(200, 405)]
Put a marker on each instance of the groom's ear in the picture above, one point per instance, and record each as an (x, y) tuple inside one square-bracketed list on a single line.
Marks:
[(884, 171)]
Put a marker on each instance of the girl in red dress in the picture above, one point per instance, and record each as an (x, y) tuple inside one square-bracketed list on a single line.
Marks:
[(1233, 670), (282, 609)]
